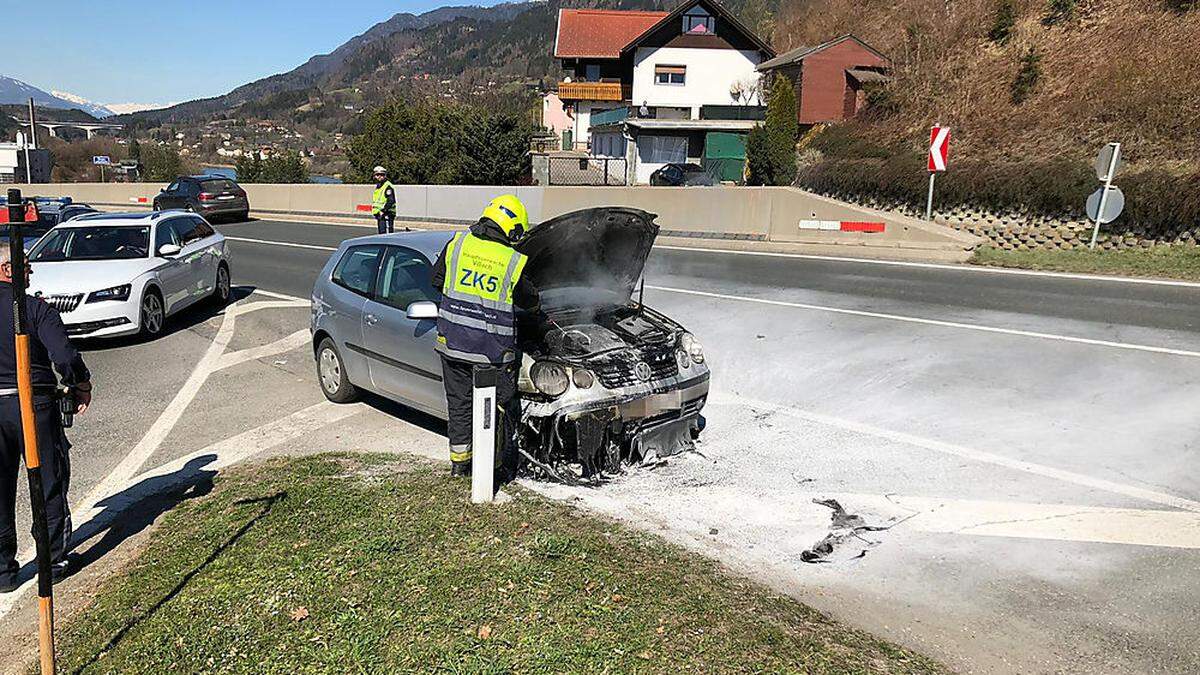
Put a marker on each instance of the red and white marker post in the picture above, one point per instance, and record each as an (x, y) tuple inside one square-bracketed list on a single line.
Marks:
[(939, 152)]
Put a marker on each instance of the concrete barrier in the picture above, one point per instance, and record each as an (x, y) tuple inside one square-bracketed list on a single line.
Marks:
[(782, 218)]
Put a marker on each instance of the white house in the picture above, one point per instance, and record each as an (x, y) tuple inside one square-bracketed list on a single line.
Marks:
[(654, 87)]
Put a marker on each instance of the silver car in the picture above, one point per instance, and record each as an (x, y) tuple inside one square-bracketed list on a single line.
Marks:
[(603, 378)]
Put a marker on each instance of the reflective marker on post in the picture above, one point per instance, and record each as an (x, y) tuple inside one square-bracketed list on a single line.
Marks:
[(483, 436)]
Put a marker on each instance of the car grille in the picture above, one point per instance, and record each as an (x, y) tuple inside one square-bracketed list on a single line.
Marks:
[(622, 369), (64, 303)]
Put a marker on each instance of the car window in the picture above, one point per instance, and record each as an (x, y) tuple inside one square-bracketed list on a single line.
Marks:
[(190, 187), (92, 243), (404, 278), (165, 234), (356, 270), (214, 186), (173, 187), (200, 228), (189, 230)]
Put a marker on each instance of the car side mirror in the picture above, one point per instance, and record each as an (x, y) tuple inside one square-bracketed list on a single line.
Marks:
[(168, 250), (422, 310)]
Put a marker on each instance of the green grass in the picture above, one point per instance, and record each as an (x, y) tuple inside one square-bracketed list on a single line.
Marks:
[(352, 564), (1168, 262)]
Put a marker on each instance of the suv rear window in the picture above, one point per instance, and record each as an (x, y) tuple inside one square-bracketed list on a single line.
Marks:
[(216, 185)]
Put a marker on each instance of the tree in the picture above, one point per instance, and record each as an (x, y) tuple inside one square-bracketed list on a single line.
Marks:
[(771, 147), (248, 167), (1004, 23), (135, 149), (435, 143), (1027, 77), (162, 162), (284, 167)]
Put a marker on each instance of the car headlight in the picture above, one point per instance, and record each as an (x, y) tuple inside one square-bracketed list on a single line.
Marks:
[(582, 377), (690, 346), (549, 378), (115, 293), (683, 359)]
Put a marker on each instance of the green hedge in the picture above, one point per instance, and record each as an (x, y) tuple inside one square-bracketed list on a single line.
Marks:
[(1157, 202)]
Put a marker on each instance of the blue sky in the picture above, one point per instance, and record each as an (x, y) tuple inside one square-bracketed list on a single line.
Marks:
[(118, 51)]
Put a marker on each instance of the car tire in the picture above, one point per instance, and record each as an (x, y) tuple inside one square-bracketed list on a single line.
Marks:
[(242, 216), (331, 374), (223, 288), (153, 313), (156, 206)]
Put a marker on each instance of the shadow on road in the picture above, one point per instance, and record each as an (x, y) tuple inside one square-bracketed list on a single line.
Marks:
[(184, 320), (404, 413)]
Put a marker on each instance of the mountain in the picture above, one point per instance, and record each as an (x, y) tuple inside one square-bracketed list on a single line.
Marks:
[(93, 109), (342, 67), (15, 92), (127, 108)]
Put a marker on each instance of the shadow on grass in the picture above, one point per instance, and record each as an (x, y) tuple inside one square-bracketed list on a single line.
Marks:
[(268, 503)]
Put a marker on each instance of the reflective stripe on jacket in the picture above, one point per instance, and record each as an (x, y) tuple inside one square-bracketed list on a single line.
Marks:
[(379, 198), (475, 317)]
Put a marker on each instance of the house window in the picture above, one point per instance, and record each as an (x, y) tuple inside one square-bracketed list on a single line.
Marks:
[(670, 74), (592, 72), (696, 20)]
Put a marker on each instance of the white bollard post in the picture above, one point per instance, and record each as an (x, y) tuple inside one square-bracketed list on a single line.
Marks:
[(483, 437)]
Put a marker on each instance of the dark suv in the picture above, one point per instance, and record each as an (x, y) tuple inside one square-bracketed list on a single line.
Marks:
[(207, 195)]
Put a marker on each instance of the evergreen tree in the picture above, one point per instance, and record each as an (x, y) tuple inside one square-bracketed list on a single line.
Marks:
[(135, 150), (771, 147), (1027, 77)]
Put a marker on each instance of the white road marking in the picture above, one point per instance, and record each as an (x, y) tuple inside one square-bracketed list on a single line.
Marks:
[(280, 296), (294, 341), (934, 322), (1153, 496), (941, 266), (224, 453), (289, 244)]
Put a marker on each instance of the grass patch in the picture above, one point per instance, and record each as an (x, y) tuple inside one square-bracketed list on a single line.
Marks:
[(360, 565), (1168, 262)]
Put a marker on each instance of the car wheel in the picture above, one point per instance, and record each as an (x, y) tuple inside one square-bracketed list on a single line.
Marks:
[(154, 315), (331, 373), (223, 287)]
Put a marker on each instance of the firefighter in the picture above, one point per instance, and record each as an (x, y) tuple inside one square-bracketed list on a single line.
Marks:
[(480, 279), (48, 346), (383, 202)]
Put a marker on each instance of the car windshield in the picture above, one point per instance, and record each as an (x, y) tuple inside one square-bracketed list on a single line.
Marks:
[(93, 243)]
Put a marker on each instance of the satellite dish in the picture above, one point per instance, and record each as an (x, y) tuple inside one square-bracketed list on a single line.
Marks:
[(643, 110)]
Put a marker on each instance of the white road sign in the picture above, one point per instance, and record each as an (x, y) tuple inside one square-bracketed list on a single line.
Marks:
[(101, 160), (1108, 161)]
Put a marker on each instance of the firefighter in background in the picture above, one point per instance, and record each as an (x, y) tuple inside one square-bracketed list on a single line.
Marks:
[(479, 276), (383, 202)]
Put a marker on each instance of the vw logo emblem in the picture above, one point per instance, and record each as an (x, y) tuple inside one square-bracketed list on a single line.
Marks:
[(642, 370)]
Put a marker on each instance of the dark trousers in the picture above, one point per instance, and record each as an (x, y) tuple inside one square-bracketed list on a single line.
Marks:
[(386, 222), (458, 377), (56, 476)]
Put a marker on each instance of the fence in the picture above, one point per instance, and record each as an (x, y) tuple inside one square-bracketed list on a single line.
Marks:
[(587, 170)]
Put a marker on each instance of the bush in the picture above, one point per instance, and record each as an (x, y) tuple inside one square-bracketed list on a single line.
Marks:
[(771, 148), (1059, 12), (1004, 23), (1182, 5), (162, 162), (1027, 77)]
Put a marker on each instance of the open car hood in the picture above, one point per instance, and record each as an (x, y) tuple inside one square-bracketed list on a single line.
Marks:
[(588, 259)]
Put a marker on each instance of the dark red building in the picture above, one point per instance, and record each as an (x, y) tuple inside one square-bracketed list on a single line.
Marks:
[(829, 78)]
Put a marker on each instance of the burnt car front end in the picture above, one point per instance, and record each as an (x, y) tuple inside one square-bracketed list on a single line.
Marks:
[(604, 379)]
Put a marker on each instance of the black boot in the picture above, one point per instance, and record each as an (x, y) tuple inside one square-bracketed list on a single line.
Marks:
[(460, 468)]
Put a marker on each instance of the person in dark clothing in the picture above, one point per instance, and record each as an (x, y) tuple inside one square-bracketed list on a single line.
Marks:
[(383, 202), (49, 350), (483, 291)]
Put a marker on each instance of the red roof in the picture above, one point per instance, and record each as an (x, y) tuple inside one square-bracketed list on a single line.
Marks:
[(599, 33)]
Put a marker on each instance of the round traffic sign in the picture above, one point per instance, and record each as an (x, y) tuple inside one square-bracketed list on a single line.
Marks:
[(1113, 206)]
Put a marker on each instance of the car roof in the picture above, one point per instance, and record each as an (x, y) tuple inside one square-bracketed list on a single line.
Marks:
[(125, 218), (428, 242)]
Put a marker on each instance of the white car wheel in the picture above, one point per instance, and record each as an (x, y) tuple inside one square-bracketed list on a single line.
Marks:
[(153, 316)]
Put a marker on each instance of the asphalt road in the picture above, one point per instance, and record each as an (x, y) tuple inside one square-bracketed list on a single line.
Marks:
[(1030, 438), (1023, 444)]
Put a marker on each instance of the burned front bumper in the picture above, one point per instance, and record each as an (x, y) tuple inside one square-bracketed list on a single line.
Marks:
[(640, 422)]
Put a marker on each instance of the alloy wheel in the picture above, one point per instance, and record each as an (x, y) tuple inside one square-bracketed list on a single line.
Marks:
[(152, 314), (330, 371)]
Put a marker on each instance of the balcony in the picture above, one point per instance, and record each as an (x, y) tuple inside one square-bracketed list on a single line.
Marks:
[(609, 117), (594, 91)]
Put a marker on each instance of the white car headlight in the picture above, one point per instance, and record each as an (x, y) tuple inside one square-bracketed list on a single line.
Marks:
[(115, 293), (582, 377), (550, 378)]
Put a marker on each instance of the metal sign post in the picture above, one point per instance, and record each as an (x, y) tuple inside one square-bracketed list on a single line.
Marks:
[(1107, 163), (33, 464), (483, 437), (929, 201), (33, 140)]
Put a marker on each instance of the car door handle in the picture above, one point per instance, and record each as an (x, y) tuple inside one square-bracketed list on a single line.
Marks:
[(371, 319)]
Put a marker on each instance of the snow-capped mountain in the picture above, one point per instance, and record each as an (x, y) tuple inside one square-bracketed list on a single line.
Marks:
[(126, 108), (89, 107)]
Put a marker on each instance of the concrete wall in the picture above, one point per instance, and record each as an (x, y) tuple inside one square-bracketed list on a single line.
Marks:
[(755, 214)]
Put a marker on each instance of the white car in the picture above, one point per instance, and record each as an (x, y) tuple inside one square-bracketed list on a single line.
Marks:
[(125, 273)]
